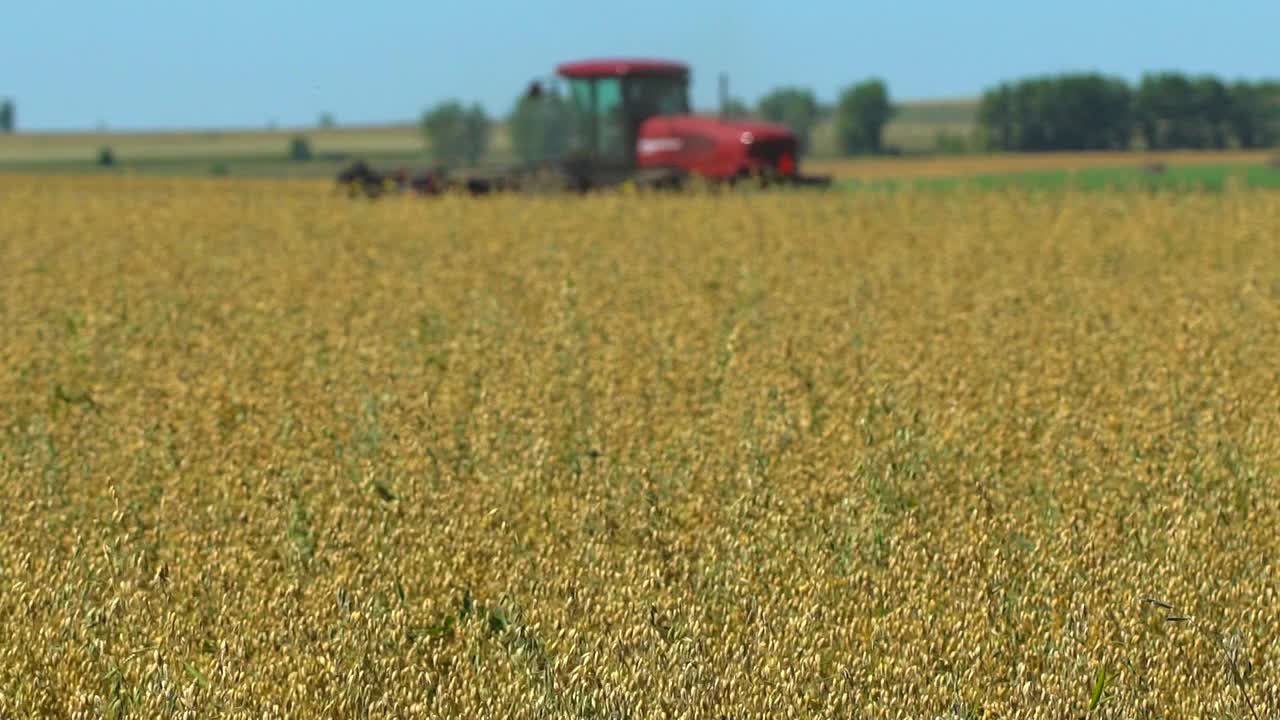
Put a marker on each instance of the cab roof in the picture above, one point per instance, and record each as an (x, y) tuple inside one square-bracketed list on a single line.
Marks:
[(621, 66)]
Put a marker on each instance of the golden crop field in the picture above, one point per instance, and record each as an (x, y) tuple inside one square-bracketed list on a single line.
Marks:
[(268, 453)]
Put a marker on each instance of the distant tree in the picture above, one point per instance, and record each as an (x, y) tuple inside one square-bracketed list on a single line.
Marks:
[(947, 143), (1089, 112), (1169, 110), (735, 108), (299, 149), (8, 116), (326, 121), (1212, 99), (1080, 111), (1168, 116), (1253, 116), (797, 108), (106, 157), (1244, 114), (862, 111), (478, 129), (1086, 111), (456, 134), (540, 125), (997, 118), (1269, 111)]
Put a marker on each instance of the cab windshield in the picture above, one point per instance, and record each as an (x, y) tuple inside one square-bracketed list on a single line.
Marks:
[(658, 95), (608, 111)]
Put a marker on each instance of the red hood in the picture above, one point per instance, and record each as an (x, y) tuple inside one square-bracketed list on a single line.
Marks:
[(718, 128), (715, 147)]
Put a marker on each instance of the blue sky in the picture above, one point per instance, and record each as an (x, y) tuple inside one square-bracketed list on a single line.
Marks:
[(245, 63)]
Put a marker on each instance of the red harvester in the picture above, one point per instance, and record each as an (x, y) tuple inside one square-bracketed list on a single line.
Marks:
[(631, 123)]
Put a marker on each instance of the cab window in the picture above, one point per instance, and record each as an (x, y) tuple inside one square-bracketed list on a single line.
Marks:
[(601, 121), (650, 95)]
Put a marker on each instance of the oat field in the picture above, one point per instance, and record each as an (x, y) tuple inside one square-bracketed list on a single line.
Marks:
[(267, 453)]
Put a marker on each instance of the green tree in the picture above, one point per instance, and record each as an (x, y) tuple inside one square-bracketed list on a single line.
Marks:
[(1212, 100), (326, 121), (997, 118), (862, 111), (797, 108), (1176, 111), (735, 108), (478, 129), (946, 143), (456, 134), (1076, 111), (1167, 112), (540, 126), (8, 116), (1253, 115), (1088, 111), (299, 149)]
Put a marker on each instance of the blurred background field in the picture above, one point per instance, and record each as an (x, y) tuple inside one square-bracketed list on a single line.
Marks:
[(914, 130), (265, 153)]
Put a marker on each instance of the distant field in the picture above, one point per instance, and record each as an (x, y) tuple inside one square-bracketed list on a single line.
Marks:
[(242, 153), (962, 111), (206, 145), (958, 166), (1206, 178), (915, 128), (245, 166), (264, 153)]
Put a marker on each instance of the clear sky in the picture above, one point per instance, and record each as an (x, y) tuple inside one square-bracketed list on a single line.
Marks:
[(73, 64)]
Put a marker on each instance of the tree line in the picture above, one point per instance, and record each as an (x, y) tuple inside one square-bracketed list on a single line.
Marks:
[(8, 116), (540, 127), (860, 113), (1164, 111)]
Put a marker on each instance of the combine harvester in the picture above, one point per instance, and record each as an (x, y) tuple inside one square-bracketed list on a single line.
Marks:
[(631, 124)]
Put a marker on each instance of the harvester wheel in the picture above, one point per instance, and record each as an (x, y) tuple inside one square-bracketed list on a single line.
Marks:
[(660, 179)]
